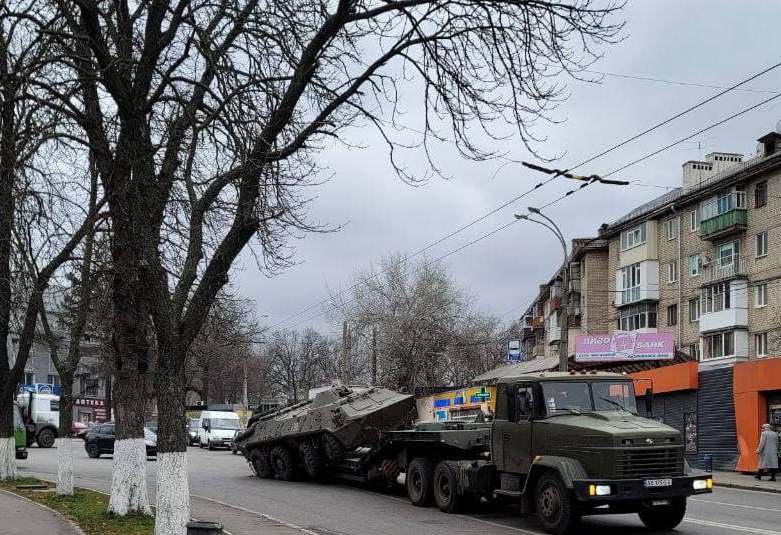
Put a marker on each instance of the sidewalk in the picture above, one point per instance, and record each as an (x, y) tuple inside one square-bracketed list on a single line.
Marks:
[(736, 480), (23, 516)]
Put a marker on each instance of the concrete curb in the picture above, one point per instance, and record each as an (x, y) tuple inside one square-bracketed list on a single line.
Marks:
[(741, 486), (225, 531), (67, 520)]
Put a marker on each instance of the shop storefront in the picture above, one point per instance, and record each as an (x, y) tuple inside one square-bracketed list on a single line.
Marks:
[(757, 390)]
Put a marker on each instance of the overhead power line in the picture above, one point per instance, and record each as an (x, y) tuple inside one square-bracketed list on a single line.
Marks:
[(515, 199), (674, 82)]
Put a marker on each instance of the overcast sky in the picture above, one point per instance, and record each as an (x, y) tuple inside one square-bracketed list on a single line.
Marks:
[(701, 42)]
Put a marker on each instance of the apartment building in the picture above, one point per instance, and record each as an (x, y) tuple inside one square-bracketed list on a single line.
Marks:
[(703, 262)]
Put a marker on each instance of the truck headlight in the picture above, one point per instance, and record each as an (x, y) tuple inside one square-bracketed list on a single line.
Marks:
[(599, 490), (702, 484)]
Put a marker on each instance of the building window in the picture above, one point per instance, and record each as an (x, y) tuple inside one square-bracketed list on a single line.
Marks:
[(761, 240), (633, 237), (672, 315), (694, 220), (630, 283), (694, 310), (760, 344), (694, 351), (760, 295), (694, 265), (53, 380), (672, 228), (760, 194), (715, 298), (719, 345), (29, 378), (642, 316), (672, 272)]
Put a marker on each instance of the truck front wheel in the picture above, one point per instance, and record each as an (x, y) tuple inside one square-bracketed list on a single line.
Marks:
[(664, 517), (419, 479), (554, 504), (261, 464), (446, 487), (46, 438)]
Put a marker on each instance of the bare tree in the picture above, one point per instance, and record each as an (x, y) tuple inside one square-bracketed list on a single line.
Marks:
[(206, 117)]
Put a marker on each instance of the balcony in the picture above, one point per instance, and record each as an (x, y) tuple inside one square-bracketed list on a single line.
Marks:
[(725, 268), (724, 224), (574, 285), (538, 322), (554, 334), (554, 303)]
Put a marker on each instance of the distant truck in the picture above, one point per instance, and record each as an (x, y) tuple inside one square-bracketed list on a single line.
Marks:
[(562, 445), (41, 415)]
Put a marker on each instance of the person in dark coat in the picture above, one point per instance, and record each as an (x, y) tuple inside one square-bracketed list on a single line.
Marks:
[(768, 453)]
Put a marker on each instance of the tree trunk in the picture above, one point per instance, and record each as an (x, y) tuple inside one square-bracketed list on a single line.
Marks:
[(128, 474), (65, 440), (7, 440), (173, 495)]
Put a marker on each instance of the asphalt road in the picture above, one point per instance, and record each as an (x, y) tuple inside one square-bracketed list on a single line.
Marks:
[(219, 479)]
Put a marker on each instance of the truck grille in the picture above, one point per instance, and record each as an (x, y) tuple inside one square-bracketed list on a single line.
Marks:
[(655, 462)]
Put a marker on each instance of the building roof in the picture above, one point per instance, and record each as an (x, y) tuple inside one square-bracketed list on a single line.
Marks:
[(511, 370)]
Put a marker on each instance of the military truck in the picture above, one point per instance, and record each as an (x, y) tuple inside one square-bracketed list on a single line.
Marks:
[(561, 445), (20, 434)]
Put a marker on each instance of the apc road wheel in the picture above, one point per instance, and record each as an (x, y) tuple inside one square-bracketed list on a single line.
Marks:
[(665, 517), (93, 451), (46, 438), (333, 449), (284, 463), (420, 473), (446, 488), (555, 508), (312, 458), (260, 462)]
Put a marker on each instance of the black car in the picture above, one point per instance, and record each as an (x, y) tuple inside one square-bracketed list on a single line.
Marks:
[(99, 440)]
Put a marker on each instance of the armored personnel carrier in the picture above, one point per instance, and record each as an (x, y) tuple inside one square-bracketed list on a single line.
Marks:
[(318, 434)]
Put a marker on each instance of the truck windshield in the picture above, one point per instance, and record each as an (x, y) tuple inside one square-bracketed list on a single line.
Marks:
[(576, 396), (224, 423)]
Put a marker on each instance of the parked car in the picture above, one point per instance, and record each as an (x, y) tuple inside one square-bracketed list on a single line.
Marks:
[(234, 447), (192, 432), (100, 440), (216, 428)]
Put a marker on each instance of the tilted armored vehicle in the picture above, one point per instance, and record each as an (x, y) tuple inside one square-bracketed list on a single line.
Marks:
[(317, 434)]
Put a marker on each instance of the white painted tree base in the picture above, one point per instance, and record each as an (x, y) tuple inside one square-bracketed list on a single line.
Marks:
[(7, 458), (173, 494), (128, 478), (65, 466)]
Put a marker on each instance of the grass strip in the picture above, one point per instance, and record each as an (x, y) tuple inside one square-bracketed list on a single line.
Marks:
[(87, 509)]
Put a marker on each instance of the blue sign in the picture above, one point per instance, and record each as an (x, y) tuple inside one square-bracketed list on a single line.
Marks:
[(514, 351), (41, 388)]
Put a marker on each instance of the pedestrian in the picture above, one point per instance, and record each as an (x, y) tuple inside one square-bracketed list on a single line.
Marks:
[(768, 453)]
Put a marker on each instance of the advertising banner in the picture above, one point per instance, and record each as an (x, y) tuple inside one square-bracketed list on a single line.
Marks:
[(514, 351), (623, 346)]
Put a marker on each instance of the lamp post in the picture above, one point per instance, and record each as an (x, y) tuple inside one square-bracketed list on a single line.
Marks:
[(554, 228)]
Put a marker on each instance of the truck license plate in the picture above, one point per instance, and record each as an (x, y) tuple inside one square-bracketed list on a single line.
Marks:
[(652, 483)]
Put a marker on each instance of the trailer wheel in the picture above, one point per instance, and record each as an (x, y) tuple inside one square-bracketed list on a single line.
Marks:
[(446, 488), (333, 449), (420, 473), (260, 462), (46, 438), (284, 463), (312, 459), (664, 518), (556, 509)]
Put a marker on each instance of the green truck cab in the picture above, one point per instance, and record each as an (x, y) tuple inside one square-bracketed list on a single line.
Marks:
[(20, 434), (565, 445)]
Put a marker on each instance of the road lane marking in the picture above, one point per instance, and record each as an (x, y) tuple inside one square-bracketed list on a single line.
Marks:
[(256, 513), (500, 525), (737, 505), (733, 527)]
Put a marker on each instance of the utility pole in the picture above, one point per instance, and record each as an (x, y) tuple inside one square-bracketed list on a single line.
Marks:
[(345, 353), (244, 399), (564, 325), (374, 355)]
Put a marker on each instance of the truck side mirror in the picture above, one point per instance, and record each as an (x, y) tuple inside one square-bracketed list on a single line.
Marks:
[(649, 401)]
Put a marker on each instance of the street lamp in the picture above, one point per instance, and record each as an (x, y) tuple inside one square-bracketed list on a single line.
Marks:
[(554, 228)]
